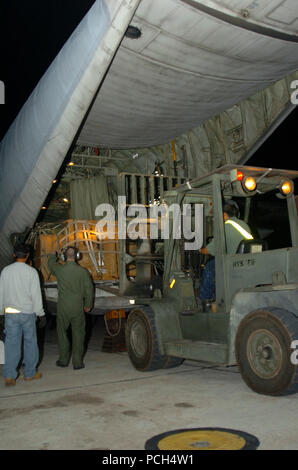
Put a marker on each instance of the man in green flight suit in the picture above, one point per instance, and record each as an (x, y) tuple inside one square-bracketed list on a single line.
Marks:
[(75, 298)]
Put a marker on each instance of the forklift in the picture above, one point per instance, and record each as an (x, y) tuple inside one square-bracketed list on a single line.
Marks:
[(253, 320)]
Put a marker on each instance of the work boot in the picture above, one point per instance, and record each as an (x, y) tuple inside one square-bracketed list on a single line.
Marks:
[(9, 382), (60, 364), (81, 366), (38, 375)]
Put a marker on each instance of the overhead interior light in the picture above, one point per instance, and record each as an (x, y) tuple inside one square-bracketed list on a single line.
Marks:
[(71, 164), (65, 200), (55, 181), (43, 208)]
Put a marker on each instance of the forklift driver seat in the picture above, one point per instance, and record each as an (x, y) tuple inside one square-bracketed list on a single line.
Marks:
[(251, 246)]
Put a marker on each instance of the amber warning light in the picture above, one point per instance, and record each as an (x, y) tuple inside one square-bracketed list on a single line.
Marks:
[(286, 188), (250, 183)]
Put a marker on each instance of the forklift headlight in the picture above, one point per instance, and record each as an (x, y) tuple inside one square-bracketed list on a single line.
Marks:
[(249, 184), (286, 188)]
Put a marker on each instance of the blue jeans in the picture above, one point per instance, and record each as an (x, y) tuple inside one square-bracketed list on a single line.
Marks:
[(207, 284), (18, 326)]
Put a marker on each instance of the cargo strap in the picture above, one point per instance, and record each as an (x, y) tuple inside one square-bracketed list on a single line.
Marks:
[(120, 314)]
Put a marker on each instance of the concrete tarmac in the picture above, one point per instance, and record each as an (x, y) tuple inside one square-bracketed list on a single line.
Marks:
[(111, 406)]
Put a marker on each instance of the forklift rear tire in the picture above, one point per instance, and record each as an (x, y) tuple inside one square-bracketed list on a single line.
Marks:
[(141, 340), (263, 348)]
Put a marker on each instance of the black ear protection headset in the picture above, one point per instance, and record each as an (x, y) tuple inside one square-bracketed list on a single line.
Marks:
[(77, 253), (234, 206)]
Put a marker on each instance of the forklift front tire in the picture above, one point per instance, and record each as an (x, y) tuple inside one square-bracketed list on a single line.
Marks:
[(263, 348), (141, 340)]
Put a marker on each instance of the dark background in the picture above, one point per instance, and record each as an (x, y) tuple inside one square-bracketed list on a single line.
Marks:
[(32, 33)]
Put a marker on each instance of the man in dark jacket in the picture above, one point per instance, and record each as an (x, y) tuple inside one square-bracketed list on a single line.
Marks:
[(75, 297)]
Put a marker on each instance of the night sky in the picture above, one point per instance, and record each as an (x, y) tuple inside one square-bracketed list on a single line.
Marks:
[(33, 32)]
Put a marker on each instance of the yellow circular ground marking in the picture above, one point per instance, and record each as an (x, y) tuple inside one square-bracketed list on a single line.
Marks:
[(202, 440)]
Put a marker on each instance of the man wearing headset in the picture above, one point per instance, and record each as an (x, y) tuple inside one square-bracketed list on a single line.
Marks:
[(235, 231), (75, 298)]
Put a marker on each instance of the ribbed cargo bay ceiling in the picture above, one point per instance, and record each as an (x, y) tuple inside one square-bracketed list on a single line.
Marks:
[(193, 60)]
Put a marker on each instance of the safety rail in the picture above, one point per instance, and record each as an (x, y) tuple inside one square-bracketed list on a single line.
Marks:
[(146, 189)]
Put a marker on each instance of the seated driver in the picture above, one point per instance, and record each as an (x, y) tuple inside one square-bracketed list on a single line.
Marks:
[(235, 231)]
